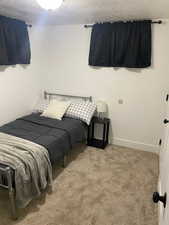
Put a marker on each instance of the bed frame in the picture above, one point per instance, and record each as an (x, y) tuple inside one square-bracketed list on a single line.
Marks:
[(48, 95), (6, 173)]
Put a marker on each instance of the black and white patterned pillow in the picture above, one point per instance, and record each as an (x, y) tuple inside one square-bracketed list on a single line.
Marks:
[(81, 110)]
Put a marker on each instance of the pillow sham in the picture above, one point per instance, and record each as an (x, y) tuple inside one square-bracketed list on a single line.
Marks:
[(83, 111), (56, 109)]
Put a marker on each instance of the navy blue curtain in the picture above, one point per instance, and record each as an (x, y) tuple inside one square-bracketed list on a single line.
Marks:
[(14, 42), (121, 44)]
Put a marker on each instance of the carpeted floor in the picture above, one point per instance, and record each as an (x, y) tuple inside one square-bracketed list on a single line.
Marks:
[(111, 187)]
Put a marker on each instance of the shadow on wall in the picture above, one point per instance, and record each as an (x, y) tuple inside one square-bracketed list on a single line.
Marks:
[(111, 133)]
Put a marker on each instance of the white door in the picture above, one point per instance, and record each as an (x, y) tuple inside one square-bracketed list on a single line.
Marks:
[(164, 173)]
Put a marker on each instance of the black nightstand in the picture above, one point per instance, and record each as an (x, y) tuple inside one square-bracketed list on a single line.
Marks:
[(91, 141)]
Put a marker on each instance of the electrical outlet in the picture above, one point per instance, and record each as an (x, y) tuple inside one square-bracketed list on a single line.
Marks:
[(120, 101)]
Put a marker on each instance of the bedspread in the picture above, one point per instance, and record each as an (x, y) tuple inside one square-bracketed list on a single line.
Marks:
[(57, 136)]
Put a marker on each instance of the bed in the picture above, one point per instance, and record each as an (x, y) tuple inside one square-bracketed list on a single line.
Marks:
[(59, 137)]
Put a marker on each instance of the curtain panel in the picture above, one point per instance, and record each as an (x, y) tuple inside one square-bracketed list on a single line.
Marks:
[(14, 42), (121, 44)]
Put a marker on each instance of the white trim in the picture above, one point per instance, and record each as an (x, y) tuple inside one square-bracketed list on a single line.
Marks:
[(136, 145)]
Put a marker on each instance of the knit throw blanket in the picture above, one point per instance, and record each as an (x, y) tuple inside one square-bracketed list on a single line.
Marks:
[(31, 163)]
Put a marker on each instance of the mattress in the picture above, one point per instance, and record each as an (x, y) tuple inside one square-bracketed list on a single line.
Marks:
[(57, 136)]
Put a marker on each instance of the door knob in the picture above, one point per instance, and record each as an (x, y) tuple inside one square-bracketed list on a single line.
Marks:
[(157, 198), (166, 121)]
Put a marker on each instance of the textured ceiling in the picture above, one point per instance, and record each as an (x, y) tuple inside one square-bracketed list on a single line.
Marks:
[(86, 11)]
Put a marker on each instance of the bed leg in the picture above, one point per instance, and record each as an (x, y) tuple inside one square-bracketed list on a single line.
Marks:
[(64, 161), (11, 195), (13, 206)]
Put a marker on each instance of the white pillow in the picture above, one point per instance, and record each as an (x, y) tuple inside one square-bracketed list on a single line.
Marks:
[(56, 109), (81, 110)]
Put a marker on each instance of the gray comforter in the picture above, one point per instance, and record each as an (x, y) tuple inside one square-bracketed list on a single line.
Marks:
[(30, 161), (25, 145), (58, 137)]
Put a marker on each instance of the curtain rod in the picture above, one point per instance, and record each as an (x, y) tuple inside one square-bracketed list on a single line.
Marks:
[(91, 25)]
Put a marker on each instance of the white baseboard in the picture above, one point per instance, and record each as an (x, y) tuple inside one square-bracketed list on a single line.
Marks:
[(136, 145)]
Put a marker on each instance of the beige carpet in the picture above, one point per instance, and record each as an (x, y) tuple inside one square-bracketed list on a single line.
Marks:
[(111, 187)]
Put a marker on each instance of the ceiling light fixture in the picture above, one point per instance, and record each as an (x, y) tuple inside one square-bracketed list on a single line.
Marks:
[(50, 4)]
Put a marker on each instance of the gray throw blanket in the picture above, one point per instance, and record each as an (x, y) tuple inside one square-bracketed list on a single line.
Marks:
[(33, 171)]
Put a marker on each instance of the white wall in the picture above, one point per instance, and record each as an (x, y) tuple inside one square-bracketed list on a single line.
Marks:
[(138, 121), (60, 63), (21, 85)]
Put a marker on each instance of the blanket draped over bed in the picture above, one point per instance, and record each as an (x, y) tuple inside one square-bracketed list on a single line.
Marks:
[(30, 161)]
